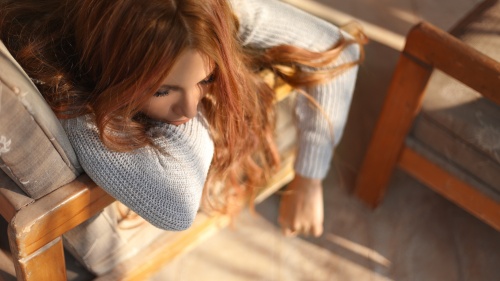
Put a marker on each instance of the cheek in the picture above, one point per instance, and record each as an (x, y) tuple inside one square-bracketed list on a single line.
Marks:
[(158, 108)]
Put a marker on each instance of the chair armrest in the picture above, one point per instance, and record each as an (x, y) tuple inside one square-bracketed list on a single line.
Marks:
[(56, 213), (429, 45)]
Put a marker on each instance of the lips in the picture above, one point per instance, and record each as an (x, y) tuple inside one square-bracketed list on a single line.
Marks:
[(178, 122)]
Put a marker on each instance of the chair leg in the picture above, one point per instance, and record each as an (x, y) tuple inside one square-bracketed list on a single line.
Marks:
[(47, 263), (401, 105)]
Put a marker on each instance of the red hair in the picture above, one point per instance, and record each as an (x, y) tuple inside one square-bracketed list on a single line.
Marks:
[(107, 58)]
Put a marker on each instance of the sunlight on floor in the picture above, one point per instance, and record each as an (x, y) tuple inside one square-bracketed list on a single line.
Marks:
[(359, 249)]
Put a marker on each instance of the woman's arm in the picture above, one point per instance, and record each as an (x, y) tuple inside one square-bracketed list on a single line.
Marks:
[(268, 23), (164, 189)]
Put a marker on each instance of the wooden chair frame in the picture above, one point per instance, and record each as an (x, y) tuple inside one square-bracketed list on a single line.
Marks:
[(427, 47), (35, 230)]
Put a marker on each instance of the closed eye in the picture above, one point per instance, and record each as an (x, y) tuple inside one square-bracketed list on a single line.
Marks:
[(166, 89), (162, 92), (209, 80)]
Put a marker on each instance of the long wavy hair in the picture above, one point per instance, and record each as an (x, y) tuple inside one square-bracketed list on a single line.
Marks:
[(107, 58)]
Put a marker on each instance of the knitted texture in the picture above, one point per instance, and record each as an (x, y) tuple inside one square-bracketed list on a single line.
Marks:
[(165, 188), (268, 23)]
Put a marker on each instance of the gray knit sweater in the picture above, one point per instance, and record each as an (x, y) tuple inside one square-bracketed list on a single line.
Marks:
[(165, 189)]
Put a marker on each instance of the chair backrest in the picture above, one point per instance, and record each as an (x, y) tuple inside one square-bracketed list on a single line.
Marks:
[(34, 149)]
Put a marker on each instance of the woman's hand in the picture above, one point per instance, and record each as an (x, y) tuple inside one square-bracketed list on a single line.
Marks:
[(301, 208)]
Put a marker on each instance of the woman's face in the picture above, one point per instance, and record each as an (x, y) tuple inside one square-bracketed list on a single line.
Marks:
[(176, 101)]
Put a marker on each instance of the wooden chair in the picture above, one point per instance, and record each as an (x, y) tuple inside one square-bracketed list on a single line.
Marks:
[(438, 165), (37, 222)]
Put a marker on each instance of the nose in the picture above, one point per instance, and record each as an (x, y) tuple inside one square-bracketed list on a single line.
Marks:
[(188, 105)]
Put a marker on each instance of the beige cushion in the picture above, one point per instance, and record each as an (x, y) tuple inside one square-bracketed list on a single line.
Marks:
[(34, 150)]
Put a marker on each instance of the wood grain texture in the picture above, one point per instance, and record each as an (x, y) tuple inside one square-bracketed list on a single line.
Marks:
[(401, 105), (7, 211), (51, 216), (446, 184), (462, 62), (426, 47), (47, 263)]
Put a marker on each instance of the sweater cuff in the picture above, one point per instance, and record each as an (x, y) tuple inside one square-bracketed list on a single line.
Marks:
[(313, 159)]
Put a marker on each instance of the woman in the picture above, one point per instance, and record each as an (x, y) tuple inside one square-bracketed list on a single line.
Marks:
[(160, 98)]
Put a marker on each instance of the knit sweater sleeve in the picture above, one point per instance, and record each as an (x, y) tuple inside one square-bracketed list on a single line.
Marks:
[(163, 188), (269, 23)]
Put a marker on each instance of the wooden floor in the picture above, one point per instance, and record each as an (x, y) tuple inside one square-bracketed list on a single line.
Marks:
[(414, 235)]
